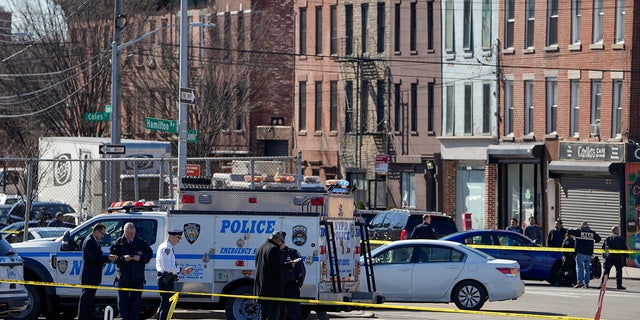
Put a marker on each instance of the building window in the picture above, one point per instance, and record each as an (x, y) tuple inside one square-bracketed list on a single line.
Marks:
[(467, 33), (381, 27), (303, 30), (576, 20), (448, 26), (617, 109), (348, 29), (552, 23), (575, 108), (318, 30), (302, 104), (620, 13), (414, 107), (528, 106), (598, 20), (596, 100), (412, 27), (552, 104), (318, 109), (380, 105), (333, 30), (431, 100), (364, 28), (509, 23), (508, 107), (364, 106), (241, 36), (348, 119), (486, 108), (397, 107), (468, 109), (530, 27), (486, 24), (396, 31), (450, 119), (430, 25), (408, 189), (164, 38), (333, 108)]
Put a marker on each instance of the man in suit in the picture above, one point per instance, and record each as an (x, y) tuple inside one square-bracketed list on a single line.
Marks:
[(91, 272)]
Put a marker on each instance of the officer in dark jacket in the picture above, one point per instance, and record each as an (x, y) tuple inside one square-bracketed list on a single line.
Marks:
[(585, 238), (568, 274), (269, 273), (556, 236), (133, 253), (91, 271), (614, 242), (293, 278), (424, 230)]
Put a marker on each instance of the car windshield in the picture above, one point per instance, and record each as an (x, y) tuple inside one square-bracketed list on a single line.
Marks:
[(5, 248)]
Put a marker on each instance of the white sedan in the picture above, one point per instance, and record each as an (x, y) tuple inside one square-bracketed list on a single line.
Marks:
[(442, 271)]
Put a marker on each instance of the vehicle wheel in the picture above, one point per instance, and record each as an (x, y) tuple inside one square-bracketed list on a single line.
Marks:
[(34, 305), (242, 309), (148, 313), (469, 295)]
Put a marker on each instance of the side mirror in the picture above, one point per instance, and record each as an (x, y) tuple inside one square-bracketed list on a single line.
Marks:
[(67, 242)]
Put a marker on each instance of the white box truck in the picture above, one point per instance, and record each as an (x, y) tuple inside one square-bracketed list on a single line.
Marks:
[(72, 169)]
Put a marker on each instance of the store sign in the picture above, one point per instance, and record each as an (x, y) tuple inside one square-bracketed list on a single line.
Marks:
[(591, 151), (633, 152)]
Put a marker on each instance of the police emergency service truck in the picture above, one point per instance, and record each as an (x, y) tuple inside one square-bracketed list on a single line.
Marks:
[(222, 230)]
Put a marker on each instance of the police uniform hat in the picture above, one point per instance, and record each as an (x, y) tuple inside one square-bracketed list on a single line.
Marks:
[(278, 235), (175, 232)]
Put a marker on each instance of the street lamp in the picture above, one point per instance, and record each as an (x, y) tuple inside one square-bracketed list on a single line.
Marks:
[(116, 47)]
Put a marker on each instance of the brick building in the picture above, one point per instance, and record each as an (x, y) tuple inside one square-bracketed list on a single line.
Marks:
[(567, 114)]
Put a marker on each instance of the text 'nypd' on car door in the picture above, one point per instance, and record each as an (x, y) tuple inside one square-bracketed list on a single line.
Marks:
[(435, 270)]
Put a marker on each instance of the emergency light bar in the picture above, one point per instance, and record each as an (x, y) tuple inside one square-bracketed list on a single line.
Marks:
[(129, 206)]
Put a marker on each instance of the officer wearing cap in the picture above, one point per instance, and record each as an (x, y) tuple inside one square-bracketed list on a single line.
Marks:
[(168, 270), (269, 274)]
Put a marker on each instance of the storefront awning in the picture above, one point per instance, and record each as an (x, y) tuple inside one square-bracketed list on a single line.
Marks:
[(515, 151), (580, 167)]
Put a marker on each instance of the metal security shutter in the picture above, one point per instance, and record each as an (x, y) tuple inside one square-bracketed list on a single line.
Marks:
[(595, 199), (276, 148)]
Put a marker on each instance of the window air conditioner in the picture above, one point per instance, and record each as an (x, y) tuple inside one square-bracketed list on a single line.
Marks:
[(594, 129)]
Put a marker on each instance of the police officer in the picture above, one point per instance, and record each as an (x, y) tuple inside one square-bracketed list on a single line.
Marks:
[(584, 239), (168, 271), (618, 260), (133, 253), (292, 281), (424, 230)]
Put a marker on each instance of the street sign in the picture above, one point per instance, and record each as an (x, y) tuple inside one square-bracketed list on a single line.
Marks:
[(108, 108), (161, 124), (188, 95), (192, 136), (112, 149), (193, 170), (97, 116)]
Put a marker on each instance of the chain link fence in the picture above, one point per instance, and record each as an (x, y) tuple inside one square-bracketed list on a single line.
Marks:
[(91, 185)]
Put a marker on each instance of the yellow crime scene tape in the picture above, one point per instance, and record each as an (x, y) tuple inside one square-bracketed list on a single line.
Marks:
[(175, 296)]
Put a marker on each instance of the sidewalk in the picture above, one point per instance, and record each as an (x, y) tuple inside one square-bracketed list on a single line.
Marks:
[(630, 273)]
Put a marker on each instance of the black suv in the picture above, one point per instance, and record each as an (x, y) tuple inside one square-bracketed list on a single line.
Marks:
[(40, 210), (397, 224)]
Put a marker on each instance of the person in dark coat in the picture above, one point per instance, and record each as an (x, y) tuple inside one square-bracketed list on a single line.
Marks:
[(514, 226), (58, 222), (557, 235), (424, 230), (585, 238), (618, 260), (533, 231), (91, 271), (269, 274), (294, 275), (133, 254), (567, 271)]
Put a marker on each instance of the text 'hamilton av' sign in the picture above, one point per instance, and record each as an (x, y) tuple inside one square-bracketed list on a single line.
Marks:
[(161, 124)]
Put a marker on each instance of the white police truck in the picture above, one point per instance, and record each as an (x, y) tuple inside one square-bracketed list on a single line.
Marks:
[(222, 230)]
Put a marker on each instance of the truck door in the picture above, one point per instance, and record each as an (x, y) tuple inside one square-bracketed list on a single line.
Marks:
[(69, 258), (303, 235)]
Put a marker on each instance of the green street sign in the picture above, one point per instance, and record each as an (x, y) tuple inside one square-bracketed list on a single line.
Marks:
[(192, 136), (161, 124), (108, 108), (97, 116)]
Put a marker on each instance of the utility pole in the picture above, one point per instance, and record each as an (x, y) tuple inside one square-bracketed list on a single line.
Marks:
[(184, 81), (112, 173)]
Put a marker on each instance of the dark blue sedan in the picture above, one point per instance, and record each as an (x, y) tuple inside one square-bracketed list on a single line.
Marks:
[(534, 264)]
